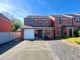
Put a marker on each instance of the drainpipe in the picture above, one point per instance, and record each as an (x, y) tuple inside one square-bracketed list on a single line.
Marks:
[(72, 25), (54, 28), (54, 32), (72, 21), (53, 25)]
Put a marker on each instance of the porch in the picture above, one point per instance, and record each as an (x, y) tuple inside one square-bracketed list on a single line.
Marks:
[(68, 31), (45, 34)]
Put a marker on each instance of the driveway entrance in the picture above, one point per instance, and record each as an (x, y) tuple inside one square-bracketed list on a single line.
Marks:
[(27, 50)]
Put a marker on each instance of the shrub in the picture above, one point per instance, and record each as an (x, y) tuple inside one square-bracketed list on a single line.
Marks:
[(79, 33), (76, 33)]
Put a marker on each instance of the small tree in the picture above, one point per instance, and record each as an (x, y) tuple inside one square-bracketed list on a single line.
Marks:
[(16, 24), (79, 33)]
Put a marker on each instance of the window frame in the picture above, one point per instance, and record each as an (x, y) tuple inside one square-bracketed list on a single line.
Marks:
[(39, 21), (78, 19), (60, 21), (47, 21), (30, 21)]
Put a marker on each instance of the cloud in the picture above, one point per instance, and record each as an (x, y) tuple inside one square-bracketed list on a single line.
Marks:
[(48, 5), (16, 11)]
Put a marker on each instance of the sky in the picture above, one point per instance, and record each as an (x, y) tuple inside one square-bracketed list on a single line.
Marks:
[(22, 8)]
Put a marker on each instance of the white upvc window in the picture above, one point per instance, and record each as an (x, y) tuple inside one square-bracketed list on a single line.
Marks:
[(30, 21), (59, 21), (40, 21), (47, 21), (78, 19)]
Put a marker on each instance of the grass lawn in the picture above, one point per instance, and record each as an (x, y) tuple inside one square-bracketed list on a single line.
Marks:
[(73, 40)]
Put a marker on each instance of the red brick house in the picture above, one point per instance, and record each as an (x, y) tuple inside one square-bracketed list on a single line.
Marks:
[(65, 25), (38, 27), (76, 19), (5, 24), (44, 27)]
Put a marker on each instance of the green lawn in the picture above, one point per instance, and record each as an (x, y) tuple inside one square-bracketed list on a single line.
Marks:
[(73, 40)]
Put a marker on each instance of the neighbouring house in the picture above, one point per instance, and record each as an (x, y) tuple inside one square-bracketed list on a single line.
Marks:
[(76, 19), (63, 25), (38, 27), (44, 27), (5, 24)]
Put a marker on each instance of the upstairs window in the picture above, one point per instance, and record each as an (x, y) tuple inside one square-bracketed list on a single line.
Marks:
[(30, 21), (39, 21), (47, 21), (59, 21), (78, 19)]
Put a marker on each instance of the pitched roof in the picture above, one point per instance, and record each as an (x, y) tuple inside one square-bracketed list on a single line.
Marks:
[(37, 17), (68, 16), (74, 15), (59, 16), (1, 15)]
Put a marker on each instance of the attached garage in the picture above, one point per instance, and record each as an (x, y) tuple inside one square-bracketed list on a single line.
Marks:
[(29, 34), (35, 33)]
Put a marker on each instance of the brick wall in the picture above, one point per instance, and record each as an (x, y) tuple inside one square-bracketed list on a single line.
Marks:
[(35, 20), (5, 25), (76, 23)]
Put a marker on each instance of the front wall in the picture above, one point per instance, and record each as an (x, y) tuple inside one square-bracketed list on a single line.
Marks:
[(43, 24), (57, 34), (50, 35), (5, 25), (66, 21), (59, 26), (53, 21)]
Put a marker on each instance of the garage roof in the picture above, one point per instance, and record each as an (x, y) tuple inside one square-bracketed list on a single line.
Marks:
[(29, 27)]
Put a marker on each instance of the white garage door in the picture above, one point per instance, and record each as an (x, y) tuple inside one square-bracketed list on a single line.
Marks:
[(29, 34)]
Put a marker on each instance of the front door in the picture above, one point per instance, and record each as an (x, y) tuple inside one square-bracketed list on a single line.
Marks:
[(70, 32), (39, 34)]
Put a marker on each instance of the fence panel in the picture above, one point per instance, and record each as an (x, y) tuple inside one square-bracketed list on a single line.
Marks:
[(8, 36)]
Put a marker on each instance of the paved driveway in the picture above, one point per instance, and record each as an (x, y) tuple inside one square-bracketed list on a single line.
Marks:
[(27, 50), (42, 50), (65, 51)]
